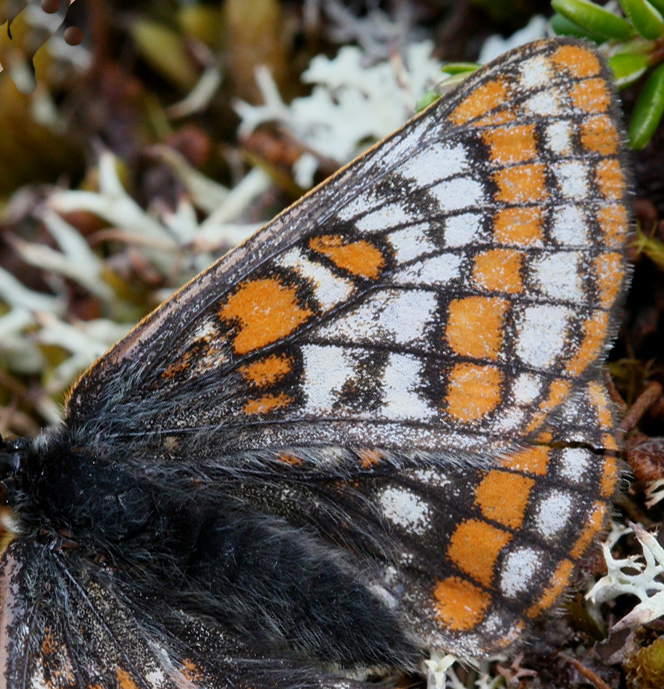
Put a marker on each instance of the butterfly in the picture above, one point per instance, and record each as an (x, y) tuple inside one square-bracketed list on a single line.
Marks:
[(376, 428)]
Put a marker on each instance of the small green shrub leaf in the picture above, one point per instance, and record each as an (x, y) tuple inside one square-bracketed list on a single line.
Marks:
[(648, 110), (594, 19), (628, 67), (644, 18)]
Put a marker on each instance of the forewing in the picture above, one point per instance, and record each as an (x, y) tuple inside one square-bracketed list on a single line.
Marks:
[(447, 292), (66, 623)]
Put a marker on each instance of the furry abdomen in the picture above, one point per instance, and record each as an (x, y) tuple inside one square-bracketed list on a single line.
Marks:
[(280, 587)]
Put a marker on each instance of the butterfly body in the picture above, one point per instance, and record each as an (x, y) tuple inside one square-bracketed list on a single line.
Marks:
[(253, 574), (378, 427)]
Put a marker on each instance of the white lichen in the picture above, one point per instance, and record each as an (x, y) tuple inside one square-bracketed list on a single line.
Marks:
[(441, 673), (637, 575), (175, 242), (351, 105), (654, 493)]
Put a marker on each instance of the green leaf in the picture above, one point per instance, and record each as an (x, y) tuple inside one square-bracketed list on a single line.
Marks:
[(165, 50), (628, 67), (648, 110), (426, 100), (594, 19), (459, 67), (659, 4), (651, 247), (644, 18), (562, 26)]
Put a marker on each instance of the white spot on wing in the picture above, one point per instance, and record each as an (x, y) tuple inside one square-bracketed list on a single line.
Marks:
[(518, 570), (535, 72), (156, 679), (357, 206), (462, 229), (543, 103), (435, 163), (557, 135), (569, 227), (457, 194), (329, 289), (436, 270), (383, 218), (402, 376), (411, 242), (209, 327), (326, 369), (509, 420), (430, 477), (558, 276), (553, 513), (574, 463), (395, 316), (541, 334), (405, 509), (572, 179), (526, 388)]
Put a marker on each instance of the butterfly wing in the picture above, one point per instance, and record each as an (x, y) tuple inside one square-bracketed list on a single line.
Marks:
[(451, 288), (67, 623), (427, 328)]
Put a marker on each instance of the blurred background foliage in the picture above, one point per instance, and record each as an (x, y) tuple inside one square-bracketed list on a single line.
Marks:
[(134, 156)]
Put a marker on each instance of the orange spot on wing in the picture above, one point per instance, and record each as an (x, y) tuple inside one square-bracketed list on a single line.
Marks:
[(521, 184), (545, 437), (474, 326), (536, 421), (610, 475), (592, 527), (360, 258), (503, 497), (192, 672), (591, 95), (498, 270), (48, 644), (518, 226), (531, 460), (594, 336), (599, 135), (614, 223), (558, 390), (556, 586), (211, 355), (577, 61), (267, 403), (474, 547), (609, 442), (609, 272), (482, 99), (369, 458), (473, 391), (265, 310), (460, 605), (599, 399), (182, 364), (124, 679), (509, 145), (266, 371), (292, 460), (609, 179)]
